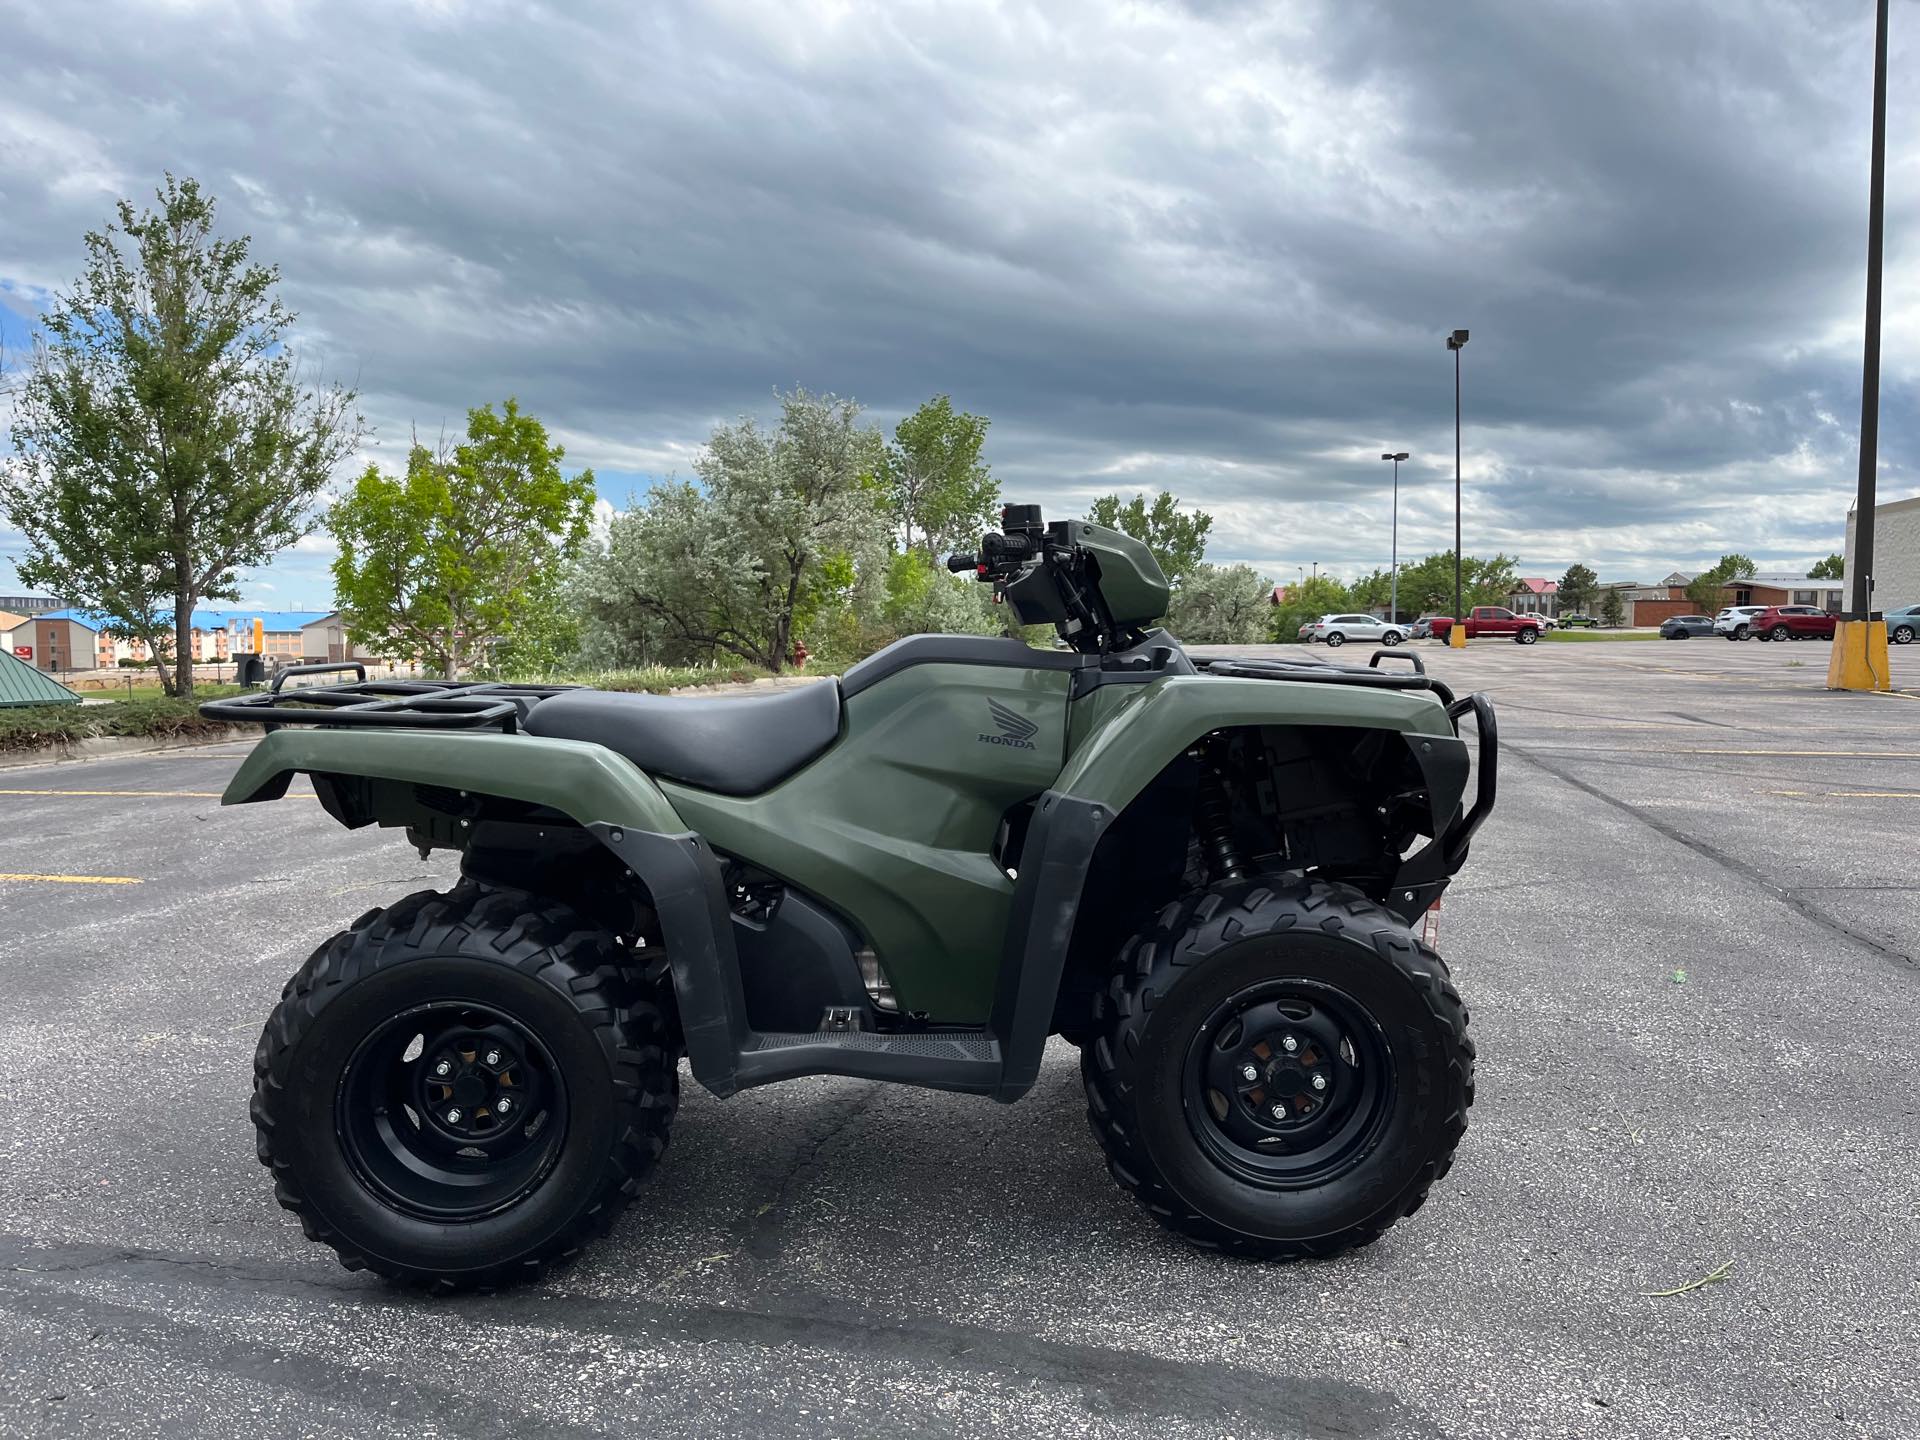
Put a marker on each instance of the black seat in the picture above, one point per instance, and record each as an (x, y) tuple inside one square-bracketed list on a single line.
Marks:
[(732, 746)]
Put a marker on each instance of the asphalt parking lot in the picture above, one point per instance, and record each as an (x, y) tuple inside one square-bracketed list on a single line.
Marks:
[(1689, 938)]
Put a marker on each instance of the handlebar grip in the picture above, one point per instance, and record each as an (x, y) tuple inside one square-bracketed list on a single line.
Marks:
[(961, 564)]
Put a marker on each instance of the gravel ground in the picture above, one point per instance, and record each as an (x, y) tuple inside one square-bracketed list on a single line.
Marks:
[(1689, 938)]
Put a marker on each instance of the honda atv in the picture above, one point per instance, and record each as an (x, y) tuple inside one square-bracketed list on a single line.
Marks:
[(1205, 875)]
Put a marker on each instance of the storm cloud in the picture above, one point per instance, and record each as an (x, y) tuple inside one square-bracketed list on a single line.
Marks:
[(1212, 248)]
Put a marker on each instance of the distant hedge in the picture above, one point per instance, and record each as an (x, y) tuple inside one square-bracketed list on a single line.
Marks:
[(33, 725)]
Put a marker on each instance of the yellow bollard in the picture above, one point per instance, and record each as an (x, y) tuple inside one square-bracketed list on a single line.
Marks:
[(1859, 660), (1457, 636)]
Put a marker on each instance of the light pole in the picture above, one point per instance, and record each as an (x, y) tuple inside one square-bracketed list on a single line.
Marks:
[(1457, 635), (1859, 660), (1393, 605)]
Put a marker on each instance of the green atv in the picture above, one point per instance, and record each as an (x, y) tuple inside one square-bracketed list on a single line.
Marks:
[(1204, 875)]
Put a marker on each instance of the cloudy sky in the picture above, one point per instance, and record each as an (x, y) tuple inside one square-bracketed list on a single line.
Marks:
[(1211, 247)]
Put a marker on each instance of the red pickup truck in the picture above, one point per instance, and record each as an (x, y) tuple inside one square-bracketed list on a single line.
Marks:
[(1492, 620)]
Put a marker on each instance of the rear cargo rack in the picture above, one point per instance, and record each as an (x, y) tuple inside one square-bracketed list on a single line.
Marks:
[(401, 704), (1320, 673)]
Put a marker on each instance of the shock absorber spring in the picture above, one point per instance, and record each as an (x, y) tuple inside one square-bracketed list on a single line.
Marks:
[(1213, 821)]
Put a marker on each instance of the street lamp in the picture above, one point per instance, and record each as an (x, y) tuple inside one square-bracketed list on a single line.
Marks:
[(1393, 605), (1859, 660), (1457, 635)]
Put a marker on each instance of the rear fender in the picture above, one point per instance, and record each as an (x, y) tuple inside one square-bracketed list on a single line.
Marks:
[(603, 793)]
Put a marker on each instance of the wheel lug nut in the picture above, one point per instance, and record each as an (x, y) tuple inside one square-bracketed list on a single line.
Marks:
[(1280, 1112), (1319, 1082), (493, 1057), (1289, 1044), (453, 1116), (1249, 1072), (445, 1067), (503, 1105)]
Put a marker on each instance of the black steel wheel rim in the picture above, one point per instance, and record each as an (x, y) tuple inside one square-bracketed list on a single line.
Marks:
[(451, 1110), (1283, 1118)]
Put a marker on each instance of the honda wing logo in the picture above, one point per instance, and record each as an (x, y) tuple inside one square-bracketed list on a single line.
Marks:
[(1015, 729)]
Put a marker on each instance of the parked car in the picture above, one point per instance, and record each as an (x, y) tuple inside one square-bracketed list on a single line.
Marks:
[(1736, 621), (1422, 628), (1793, 622), (1685, 627), (1336, 630), (1578, 620), (1492, 620), (1903, 624)]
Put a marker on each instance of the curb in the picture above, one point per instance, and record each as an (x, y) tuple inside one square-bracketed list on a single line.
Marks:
[(103, 747)]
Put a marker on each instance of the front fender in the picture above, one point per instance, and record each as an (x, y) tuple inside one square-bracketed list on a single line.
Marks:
[(1154, 727), (588, 783)]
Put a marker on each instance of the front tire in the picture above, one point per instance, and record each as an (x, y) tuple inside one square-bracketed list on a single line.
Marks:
[(1527, 635), (1216, 988), (462, 1089), (1392, 637)]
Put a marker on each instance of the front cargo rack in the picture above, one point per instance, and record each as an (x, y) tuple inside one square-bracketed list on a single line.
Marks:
[(1319, 672), (401, 704)]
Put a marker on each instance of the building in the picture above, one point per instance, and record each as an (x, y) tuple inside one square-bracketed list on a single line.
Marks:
[(63, 640), (1534, 597), (1784, 589), (57, 641), (326, 639), (1896, 554), (9, 619), (30, 604)]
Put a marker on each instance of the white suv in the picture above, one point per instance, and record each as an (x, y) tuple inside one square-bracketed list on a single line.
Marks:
[(1338, 629), (1732, 622)]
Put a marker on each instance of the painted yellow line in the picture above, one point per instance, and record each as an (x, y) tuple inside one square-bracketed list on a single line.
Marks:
[(74, 879), (145, 794), (151, 794)]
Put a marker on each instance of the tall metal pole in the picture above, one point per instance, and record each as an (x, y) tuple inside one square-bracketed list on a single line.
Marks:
[(1862, 597), (1459, 615), (1393, 603)]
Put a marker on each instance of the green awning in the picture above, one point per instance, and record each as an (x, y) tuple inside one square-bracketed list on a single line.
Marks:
[(21, 684)]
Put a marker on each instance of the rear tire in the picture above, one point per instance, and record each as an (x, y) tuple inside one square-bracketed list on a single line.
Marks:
[(527, 1005), (1902, 635), (1336, 639), (1375, 1015), (1780, 634)]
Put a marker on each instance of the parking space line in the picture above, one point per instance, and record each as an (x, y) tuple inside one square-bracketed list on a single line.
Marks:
[(1849, 794), (72, 879), (144, 794)]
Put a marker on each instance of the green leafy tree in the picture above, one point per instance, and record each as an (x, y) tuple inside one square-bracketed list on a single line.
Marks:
[(1427, 587), (1177, 539), (923, 599), (935, 482), (1613, 610), (1706, 591), (1834, 567), (1318, 595), (1221, 605), (444, 562), (1577, 588), (787, 524), (163, 438)]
